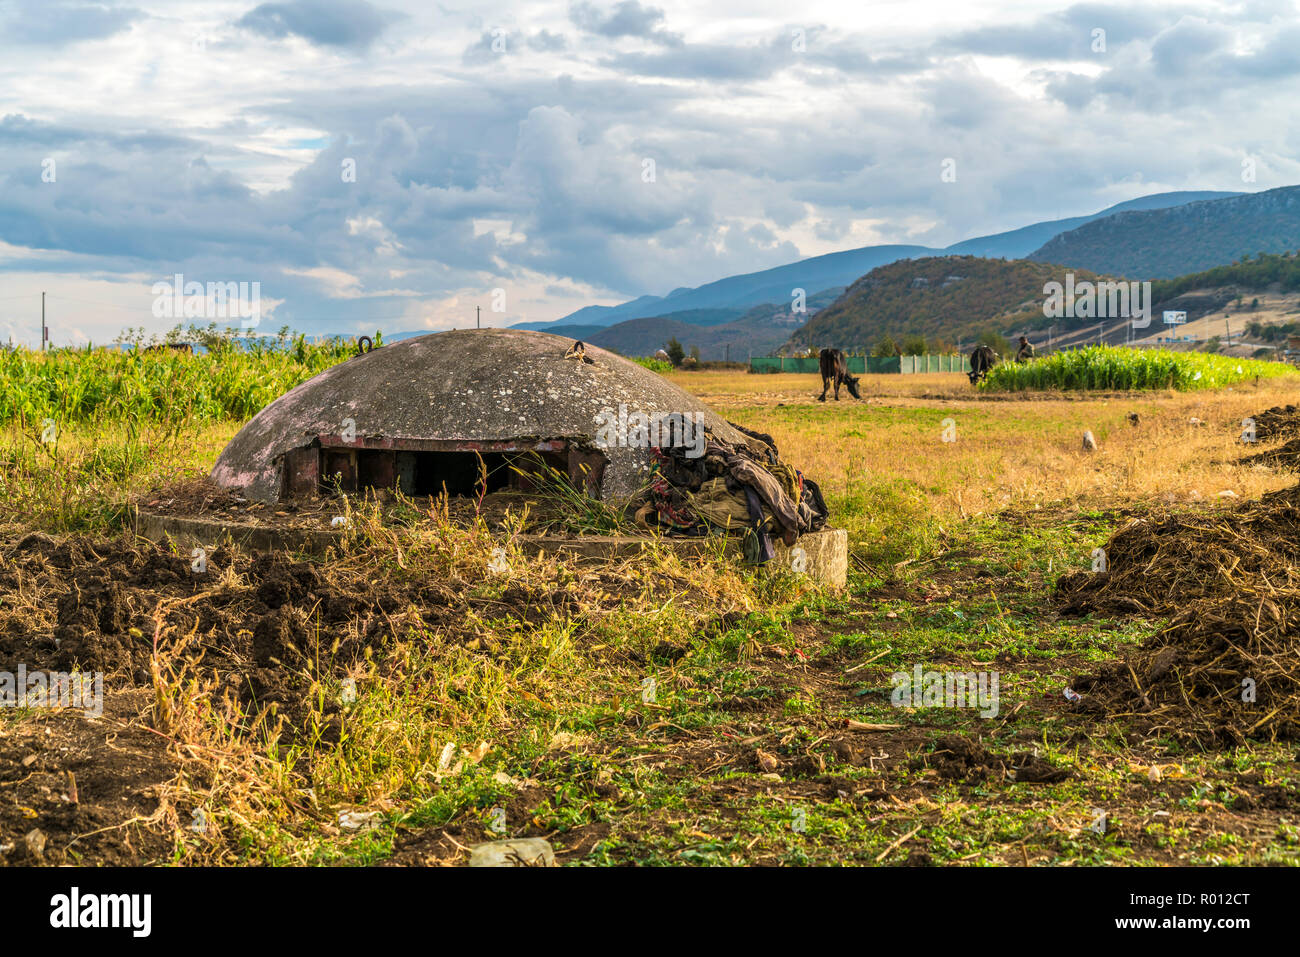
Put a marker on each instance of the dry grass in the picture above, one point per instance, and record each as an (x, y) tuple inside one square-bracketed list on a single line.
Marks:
[(726, 387), (1020, 453), (452, 663)]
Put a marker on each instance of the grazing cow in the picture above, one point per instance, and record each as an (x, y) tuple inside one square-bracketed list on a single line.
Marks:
[(981, 361), (834, 369)]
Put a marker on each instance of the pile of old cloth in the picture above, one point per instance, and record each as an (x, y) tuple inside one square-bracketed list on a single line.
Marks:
[(732, 487)]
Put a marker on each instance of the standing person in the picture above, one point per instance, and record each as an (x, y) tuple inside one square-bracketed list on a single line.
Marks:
[(1026, 351)]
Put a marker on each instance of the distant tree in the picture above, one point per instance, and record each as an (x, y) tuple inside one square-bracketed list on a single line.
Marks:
[(675, 351), (212, 338), (1212, 344), (914, 346), (995, 342), (695, 353), (1254, 303), (886, 347)]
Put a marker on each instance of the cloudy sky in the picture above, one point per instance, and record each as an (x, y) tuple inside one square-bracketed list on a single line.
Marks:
[(392, 164)]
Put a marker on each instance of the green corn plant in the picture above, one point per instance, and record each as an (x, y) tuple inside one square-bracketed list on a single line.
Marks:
[(1112, 368)]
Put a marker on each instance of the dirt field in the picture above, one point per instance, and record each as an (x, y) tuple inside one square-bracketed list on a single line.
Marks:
[(404, 698)]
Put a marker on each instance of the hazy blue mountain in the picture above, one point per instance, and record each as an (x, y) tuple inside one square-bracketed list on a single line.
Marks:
[(1019, 243), (757, 331), (574, 330), (599, 315), (751, 289)]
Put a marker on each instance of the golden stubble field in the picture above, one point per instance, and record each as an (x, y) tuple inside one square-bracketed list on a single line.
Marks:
[(1005, 451)]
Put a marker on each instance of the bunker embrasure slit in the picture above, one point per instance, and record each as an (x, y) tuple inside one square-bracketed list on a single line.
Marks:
[(334, 463)]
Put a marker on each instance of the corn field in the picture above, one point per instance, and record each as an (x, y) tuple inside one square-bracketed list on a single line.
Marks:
[(1114, 368), (73, 386)]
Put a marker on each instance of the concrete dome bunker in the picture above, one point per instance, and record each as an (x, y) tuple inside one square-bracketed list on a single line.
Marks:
[(418, 414)]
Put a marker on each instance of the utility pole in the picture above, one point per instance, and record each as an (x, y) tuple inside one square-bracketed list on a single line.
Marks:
[(478, 317), (44, 334)]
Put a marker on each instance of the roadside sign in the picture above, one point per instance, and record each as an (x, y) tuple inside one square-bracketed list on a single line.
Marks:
[(1174, 318)]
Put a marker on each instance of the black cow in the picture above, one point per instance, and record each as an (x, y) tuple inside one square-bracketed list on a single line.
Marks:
[(981, 361), (834, 369)]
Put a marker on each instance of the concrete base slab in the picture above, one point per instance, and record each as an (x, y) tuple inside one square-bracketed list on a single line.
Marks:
[(823, 555)]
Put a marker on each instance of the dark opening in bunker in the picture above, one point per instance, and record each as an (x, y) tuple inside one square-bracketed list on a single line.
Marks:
[(432, 467)]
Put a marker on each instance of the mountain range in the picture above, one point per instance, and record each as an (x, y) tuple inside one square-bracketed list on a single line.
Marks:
[(1176, 240), (950, 300), (843, 268), (755, 331), (1201, 257), (857, 296)]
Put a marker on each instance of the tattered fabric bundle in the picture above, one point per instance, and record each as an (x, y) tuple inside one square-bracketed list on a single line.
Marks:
[(732, 487)]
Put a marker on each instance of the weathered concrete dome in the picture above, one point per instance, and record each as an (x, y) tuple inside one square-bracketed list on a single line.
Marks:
[(419, 414)]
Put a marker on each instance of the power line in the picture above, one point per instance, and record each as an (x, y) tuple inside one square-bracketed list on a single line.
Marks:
[(92, 302)]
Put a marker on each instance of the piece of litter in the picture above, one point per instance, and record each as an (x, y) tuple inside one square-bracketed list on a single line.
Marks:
[(519, 852), (448, 752), (358, 820), (35, 843)]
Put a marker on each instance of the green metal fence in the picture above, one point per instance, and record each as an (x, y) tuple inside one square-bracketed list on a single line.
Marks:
[(858, 365)]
